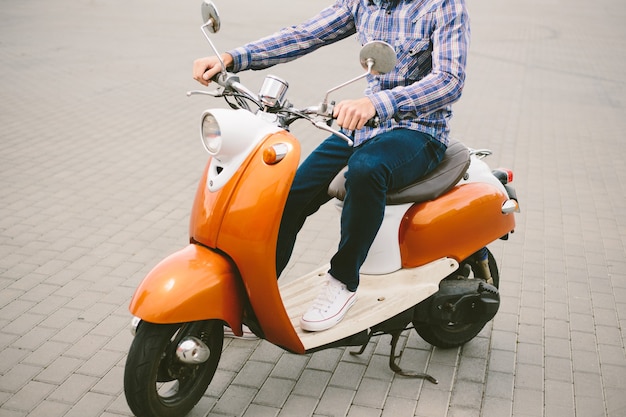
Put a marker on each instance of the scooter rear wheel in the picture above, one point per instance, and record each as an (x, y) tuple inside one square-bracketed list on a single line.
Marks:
[(451, 335), (156, 382)]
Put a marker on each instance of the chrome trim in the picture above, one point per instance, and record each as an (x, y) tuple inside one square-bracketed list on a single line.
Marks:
[(134, 324), (192, 350), (510, 206), (273, 91), (281, 149), (480, 153)]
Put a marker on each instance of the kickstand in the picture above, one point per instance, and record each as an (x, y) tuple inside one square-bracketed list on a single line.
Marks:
[(395, 336), (363, 347)]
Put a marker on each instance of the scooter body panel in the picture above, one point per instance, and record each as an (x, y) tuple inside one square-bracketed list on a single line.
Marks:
[(249, 233), (384, 256), (224, 172), (192, 284), (455, 225), (241, 219)]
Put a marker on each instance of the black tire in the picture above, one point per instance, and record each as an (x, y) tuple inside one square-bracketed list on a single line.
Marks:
[(453, 335), (156, 383)]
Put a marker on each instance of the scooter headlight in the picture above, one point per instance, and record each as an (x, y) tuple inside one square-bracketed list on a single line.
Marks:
[(211, 134)]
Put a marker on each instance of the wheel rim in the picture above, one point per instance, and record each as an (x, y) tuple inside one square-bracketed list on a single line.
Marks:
[(176, 381)]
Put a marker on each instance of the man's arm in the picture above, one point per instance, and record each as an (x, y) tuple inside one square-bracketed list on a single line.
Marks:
[(329, 26)]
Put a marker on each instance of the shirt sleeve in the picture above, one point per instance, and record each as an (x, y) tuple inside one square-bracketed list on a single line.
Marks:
[(443, 85), (330, 25)]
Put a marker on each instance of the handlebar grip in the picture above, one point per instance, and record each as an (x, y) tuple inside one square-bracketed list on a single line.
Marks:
[(374, 122), (220, 78)]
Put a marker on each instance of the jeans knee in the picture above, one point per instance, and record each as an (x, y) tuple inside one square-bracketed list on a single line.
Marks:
[(365, 171)]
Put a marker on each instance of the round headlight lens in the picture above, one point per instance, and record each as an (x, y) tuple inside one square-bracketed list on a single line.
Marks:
[(211, 134)]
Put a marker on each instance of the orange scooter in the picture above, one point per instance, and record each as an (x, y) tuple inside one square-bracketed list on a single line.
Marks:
[(428, 268)]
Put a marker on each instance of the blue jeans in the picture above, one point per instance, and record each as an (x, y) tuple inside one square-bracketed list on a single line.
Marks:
[(388, 161)]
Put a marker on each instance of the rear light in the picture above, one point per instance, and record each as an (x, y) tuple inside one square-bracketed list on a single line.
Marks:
[(503, 175)]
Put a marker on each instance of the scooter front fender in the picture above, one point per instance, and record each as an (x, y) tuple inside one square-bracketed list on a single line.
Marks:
[(192, 284)]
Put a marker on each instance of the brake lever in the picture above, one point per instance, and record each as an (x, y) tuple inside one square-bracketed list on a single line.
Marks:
[(325, 127), (204, 93)]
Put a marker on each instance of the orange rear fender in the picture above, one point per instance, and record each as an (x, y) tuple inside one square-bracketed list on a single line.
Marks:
[(192, 284), (455, 225)]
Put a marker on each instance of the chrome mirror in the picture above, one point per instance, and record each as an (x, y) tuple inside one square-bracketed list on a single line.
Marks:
[(210, 16), (212, 24), (377, 57)]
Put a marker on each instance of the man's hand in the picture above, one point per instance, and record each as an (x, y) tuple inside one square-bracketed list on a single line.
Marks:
[(204, 69), (353, 114)]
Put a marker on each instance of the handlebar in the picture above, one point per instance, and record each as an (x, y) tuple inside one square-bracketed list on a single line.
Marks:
[(233, 87), (374, 122), (230, 80)]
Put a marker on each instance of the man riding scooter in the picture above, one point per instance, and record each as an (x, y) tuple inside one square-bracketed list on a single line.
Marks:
[(411, 105)]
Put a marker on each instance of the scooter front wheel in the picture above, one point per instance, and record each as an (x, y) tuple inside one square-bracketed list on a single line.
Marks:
[(157, 383)]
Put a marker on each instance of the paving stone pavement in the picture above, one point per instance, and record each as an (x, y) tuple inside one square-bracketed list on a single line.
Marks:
[(99, 159)]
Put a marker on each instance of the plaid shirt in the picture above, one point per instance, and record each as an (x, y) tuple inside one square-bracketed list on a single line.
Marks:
[(430, 37)]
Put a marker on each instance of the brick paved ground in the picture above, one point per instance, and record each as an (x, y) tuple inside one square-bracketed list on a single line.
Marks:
[(99, 159)]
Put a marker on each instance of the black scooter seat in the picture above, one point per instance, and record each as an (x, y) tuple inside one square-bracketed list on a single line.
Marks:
[(434, 184)]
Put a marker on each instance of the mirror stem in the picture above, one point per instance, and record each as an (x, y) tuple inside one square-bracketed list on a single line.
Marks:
[(203, 28), (324, 104), (370, 64)]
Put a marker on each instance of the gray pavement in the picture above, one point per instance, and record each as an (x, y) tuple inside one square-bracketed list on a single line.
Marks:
[(99, 159)]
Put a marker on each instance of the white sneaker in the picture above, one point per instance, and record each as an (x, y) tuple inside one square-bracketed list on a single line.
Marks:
[(330, 306), (247, 333)]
